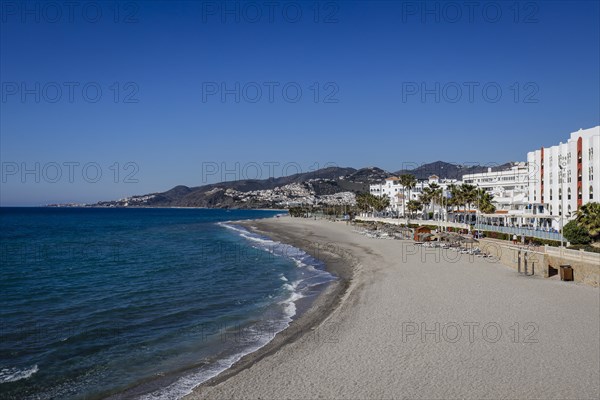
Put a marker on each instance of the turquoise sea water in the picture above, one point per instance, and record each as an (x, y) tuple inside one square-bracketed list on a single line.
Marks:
[(143, 303)]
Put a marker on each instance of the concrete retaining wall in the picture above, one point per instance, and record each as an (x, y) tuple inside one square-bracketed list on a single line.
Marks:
[(585, 269)]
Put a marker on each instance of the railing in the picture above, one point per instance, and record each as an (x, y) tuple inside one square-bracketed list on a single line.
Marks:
[(572, 254), (406, 221), (520, 231)]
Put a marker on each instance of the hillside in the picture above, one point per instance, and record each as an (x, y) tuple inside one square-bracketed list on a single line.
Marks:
[(447, 170), (327, 186)]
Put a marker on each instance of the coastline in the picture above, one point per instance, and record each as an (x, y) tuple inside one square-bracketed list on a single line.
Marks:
[(329, 299), (548, 331)]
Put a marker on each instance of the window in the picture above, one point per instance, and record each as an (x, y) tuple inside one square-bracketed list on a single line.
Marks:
[(550, 194), (560, 209), (591, 153), (569, 194), (560, 193), (591, 192), (579, 194), (591, 174)]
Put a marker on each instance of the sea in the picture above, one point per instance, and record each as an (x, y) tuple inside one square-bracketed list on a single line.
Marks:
[(139, 303)]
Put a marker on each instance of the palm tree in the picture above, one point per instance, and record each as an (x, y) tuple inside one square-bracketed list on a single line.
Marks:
[(468, 196), (425, 198), (588, 216), (408, 181), (381, 203), (455, 199), (413, 206), (432, 195), (484, 202), (362, 201)]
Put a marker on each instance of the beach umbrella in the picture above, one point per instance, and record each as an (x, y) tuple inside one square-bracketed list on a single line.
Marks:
[(440, 236), (424, 236), (455, 238), (469, 240), (453, 234)]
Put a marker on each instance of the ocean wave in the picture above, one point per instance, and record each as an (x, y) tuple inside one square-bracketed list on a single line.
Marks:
[(296, 290), (186, 384), (16, 374)]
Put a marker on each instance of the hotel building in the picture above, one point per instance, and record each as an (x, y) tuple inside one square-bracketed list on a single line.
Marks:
[(564, 177), (399, 197), (533, 197), (509, 188)]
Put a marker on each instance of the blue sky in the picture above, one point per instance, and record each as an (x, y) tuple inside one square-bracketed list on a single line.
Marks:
[(381, 83)]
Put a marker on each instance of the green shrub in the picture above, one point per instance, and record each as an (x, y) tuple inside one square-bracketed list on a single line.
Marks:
[(576, 234), (585, 247), (541, 242), (496, 235)]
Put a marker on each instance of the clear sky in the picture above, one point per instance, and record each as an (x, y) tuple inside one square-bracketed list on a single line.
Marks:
[(155, 94)]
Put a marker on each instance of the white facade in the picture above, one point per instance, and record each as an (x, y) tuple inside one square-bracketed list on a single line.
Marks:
[(530, 195), (392, 188), (559, 191), (509, 188), (499, 182)]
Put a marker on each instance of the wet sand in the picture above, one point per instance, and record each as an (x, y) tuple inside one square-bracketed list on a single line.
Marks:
[(405, 322)]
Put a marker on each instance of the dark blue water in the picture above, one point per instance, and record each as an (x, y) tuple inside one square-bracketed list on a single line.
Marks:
[(147, 301)]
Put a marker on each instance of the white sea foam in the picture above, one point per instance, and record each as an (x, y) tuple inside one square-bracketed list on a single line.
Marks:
[(185, 385), (16, 374)]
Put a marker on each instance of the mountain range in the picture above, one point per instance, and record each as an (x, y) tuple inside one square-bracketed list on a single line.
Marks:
[(333, 185)]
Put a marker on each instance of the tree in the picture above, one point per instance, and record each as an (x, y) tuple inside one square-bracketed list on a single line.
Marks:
[(362, 201), (455, 199), (381, 203), (576, 234), (468, 195), (432, 195), (408, 182), (413, 206), (370, 202), (588, 216), (484, 202)]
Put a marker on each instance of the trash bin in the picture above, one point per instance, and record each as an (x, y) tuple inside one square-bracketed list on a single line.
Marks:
[(566, 273)]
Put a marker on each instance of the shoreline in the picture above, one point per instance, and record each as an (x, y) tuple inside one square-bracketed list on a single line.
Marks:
[(327, 301), (489, 332), (317, 309)]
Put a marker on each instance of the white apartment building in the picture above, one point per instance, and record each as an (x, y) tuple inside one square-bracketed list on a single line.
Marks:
[(533, 196), (399, 197), (509, 189), (566, 176), (499, 182)]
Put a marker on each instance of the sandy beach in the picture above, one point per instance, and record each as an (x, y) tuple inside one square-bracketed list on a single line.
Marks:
[(405, 324)]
